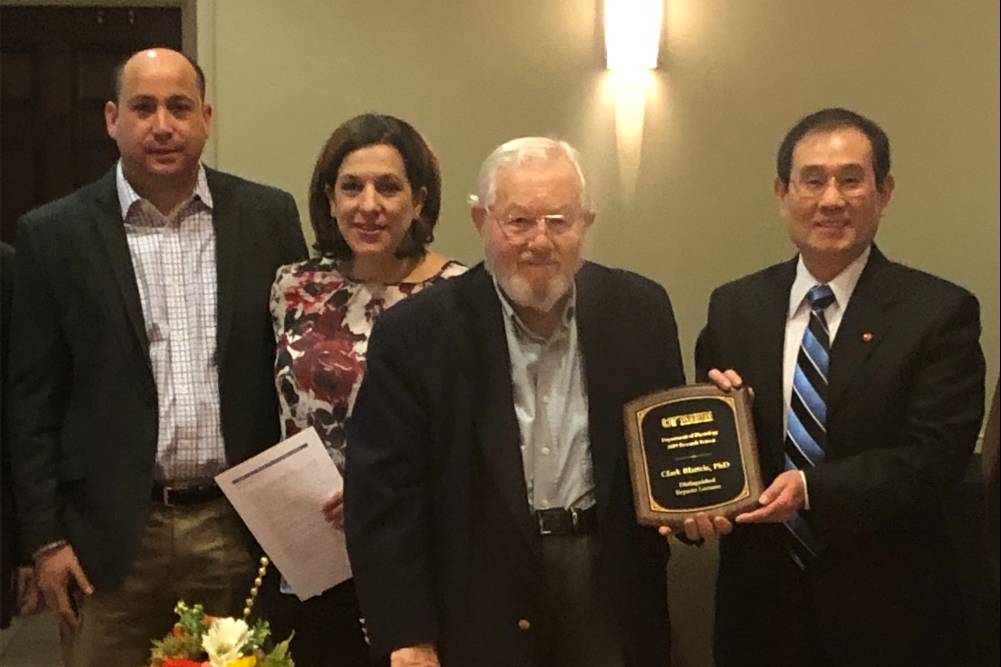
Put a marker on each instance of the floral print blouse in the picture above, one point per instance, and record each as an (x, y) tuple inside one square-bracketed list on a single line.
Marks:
[(322, 320)]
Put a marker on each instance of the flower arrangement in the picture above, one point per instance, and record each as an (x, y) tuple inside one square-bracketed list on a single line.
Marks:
[(200, 640)]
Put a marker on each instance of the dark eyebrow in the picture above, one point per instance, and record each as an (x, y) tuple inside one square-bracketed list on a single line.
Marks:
[(821, 168), (173, 99), (380, 178)]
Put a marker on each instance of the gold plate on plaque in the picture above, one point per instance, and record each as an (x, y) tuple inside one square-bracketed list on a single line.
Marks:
[(692, 449)]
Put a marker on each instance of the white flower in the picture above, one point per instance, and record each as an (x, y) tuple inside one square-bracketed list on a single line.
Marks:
[(224, 640)]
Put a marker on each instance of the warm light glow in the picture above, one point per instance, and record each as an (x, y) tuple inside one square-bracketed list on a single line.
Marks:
[(630, 90), (632, 33)]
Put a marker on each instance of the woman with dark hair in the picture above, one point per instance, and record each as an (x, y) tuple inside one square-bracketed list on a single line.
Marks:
[(373, 201)]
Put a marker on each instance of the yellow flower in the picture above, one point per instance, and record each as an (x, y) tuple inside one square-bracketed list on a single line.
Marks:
[(245, 661)]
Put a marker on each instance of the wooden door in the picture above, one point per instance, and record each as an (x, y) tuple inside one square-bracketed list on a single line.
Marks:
[(56, 76)]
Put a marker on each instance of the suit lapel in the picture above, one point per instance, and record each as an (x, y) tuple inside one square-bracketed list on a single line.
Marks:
[(772, 309), (495, 421), (863, 326), (111, 229), (225, 221), (596, 334)]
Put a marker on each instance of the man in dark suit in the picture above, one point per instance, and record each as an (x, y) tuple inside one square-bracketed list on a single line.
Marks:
[(141, 367), (488, 507), (18, 593), (869, 384), (990, 451), (8, 548)]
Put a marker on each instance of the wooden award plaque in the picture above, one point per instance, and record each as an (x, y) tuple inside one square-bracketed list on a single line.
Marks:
[(692, 449)]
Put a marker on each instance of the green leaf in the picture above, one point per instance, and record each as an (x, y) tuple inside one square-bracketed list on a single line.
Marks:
[(187, 646), (279, 657), (258, 635), (190, 619)]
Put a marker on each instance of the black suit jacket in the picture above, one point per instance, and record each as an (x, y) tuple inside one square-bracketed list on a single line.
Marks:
[(84, 400), (8, 528), (905, 400), (439, 530)]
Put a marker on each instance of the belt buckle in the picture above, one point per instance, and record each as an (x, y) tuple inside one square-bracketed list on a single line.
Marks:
[(543, 529), (166, 496), (574, 518)]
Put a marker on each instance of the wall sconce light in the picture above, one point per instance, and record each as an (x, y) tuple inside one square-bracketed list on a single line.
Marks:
[(632, 33)]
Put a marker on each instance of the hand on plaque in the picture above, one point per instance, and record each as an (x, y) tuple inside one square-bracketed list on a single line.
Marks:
[(783, 498), (702, 527), (726, 380)]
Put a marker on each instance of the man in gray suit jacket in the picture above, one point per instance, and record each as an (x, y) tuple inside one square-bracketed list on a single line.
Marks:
[(141, 367)]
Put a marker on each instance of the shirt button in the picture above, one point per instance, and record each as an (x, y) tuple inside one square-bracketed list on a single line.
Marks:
[(524, 624), (545, 451)]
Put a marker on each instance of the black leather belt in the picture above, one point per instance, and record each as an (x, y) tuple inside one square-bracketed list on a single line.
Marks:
[(571, 521), (168, 495)]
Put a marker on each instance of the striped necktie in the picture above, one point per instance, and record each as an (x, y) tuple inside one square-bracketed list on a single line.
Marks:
[(806, 428)]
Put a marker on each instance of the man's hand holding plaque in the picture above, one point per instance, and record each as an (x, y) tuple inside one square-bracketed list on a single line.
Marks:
[(693, 457), (786, 495)]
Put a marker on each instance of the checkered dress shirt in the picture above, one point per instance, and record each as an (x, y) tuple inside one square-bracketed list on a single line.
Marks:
[(175, 266)]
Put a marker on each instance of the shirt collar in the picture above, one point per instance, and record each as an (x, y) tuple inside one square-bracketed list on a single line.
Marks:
[(566, 321), (127, 196), (842, 285)]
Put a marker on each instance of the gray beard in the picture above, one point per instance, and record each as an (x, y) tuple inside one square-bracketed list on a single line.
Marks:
[(519, 291)]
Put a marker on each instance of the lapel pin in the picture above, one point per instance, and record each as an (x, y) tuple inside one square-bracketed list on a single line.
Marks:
[(867, 337)]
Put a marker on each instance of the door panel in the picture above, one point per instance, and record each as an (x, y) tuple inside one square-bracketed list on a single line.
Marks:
[(57, 64)]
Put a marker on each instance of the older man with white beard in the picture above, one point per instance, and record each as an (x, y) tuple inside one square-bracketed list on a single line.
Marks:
[(488, 509)]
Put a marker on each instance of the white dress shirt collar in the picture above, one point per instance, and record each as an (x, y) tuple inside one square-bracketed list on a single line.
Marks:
[(127, 196), (842, 285)]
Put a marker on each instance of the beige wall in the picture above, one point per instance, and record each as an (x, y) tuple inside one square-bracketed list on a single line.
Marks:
[(735, 75), (690, 204)]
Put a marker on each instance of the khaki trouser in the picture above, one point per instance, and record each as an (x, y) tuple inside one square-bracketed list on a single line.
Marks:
[(198, 553)]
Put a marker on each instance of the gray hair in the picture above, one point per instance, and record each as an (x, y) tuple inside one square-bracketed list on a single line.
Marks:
[(517, 151)]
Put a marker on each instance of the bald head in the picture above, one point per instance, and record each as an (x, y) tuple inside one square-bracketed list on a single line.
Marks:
[(161, 123), (139, 58)]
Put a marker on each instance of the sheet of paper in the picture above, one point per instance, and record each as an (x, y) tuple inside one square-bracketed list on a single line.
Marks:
[(278, 494)]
